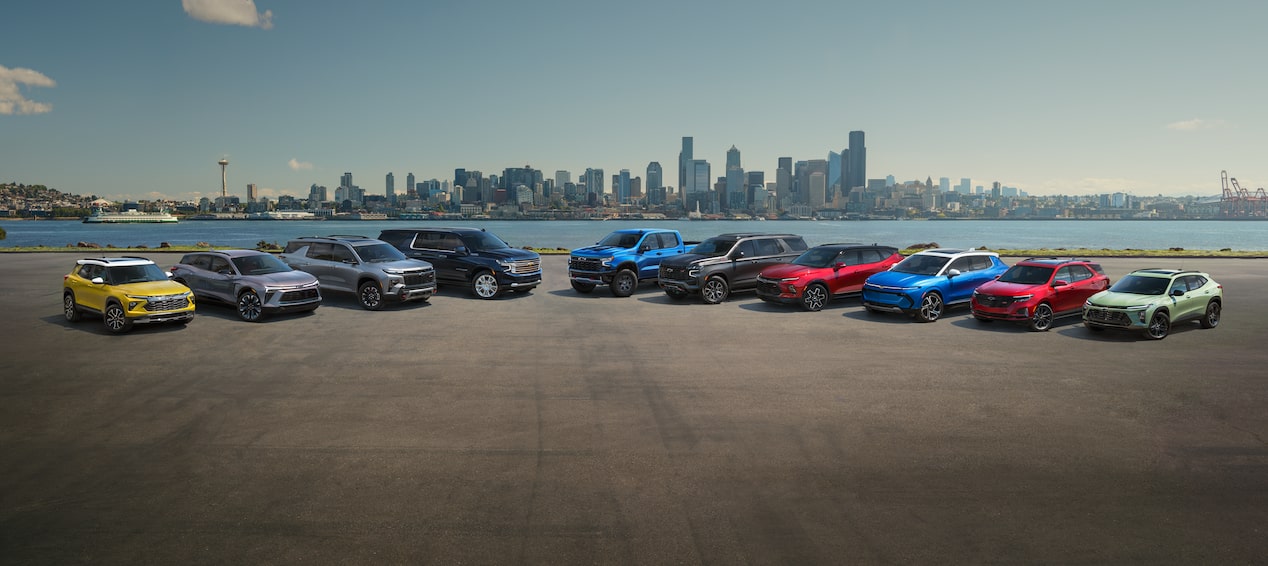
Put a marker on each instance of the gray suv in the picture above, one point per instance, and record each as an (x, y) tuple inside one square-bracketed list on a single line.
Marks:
[(257, 283), (372, 269), (722, 264)]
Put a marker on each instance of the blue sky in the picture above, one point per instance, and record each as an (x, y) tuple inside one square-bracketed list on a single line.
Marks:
[(139, 99)]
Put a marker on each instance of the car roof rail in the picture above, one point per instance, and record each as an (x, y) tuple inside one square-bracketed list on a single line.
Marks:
[(348, 236)]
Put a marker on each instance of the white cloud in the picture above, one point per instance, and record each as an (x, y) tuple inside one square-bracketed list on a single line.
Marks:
[(1195, 124), (12, 101), (297, 165), (234, 12)]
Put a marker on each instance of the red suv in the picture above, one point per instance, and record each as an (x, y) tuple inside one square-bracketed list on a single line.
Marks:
[(1038, 291), (824, 272)]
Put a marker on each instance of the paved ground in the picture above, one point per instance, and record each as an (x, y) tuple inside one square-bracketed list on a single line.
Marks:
[(555, 428)]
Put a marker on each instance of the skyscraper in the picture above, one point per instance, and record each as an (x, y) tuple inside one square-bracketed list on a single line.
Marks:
[(783, 181), (390, 181), (251, 193), (346, 180), (655, 176), (734, 197), (686, 173), (856, 168), (411, 188), (623, 187)]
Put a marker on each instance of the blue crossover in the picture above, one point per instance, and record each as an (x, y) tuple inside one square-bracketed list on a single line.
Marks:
[(926, 283)]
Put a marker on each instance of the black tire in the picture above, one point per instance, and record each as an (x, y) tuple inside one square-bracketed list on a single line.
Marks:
[(931, 307), (250, 307), (69, 309), (1212, 317), (1159, 326), (623, 283), (815, 297), (116, 319), (370, 296), (1041, 320), (583, 288), (485, 285), (715, 290)]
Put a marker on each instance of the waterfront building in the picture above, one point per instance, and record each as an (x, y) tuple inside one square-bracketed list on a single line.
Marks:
[(346, 180), (562, 178), (593, 180), (252, 195)]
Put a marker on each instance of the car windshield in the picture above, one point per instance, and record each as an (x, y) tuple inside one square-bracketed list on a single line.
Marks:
[(714, 246), (124, 274), (620, 240), (1027, 275), (263, 264), (380, 251), (816, 257), (481, 241), (921, 264), (1138, 285)]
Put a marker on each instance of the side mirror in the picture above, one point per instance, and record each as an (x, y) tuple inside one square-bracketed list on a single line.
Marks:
[(838, 266), (1060, 283), (953, 273), (1177, 292), (461, 250), (97, 281), (644, 248), (738, 254)]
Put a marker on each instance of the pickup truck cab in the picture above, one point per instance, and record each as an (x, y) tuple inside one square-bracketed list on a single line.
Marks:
[(623, 259)]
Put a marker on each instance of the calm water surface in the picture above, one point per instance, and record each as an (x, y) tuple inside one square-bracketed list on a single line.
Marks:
[(1112, 234)]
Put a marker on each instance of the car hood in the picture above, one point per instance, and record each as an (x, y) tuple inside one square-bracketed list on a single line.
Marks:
[(598, 251), (507, 253), (787, 270), (1007, 289), (164, 287), (897, 279), (285, 278), (683, 260), (402, 264), (1112, 299)]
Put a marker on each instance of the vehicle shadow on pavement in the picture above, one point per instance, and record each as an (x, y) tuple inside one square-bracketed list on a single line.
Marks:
[(89, 323), (1080, 332), (763, 306), (1009, 327), (228, 312), (341, 301), (451, 293)]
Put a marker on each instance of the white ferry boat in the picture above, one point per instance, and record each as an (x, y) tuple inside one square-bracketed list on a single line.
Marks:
[(99, 216)]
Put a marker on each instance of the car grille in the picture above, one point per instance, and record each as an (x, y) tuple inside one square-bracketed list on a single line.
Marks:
[(524, 266), (301, 295), (419, 277), (168, 303), (672, 272), (995, 301), (767, 287), (1116, 318), (584, 264)]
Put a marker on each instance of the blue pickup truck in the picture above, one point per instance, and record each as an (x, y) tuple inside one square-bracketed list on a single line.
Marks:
[(623, 259)]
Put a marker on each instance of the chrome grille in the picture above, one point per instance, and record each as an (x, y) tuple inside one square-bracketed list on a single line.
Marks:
[(168, 303), (524, 266)]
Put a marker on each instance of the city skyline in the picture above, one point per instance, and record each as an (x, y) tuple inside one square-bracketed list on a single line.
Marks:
[(1093, 98)]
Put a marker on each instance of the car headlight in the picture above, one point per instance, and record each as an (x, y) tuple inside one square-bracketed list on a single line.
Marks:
[(1020, 298), (788, 280), (693, 271), (391, 271), (606, 261)]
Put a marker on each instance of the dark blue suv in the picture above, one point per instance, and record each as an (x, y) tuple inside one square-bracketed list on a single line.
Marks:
[(471, 257)]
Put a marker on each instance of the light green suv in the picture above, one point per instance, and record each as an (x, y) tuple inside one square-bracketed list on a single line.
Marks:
[(1152, 300)]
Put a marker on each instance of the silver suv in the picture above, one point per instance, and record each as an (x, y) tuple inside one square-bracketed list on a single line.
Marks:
[(372, 269)]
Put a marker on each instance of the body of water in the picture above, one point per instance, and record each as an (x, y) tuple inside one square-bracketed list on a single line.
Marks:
[(995, 234)]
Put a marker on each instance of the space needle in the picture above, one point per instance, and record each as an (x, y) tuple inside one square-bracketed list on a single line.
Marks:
[(224, 162)]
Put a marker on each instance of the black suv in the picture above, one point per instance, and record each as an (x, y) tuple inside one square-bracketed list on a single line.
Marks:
[(722, 264), (472, 257)]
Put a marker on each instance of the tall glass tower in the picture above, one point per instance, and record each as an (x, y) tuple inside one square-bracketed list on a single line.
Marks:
[(686, 159), (856, 167)]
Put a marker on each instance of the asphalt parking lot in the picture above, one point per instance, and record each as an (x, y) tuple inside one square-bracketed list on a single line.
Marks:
[(557, 428)]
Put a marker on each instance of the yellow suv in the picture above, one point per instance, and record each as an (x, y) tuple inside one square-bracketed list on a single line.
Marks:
[(125, 291)]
